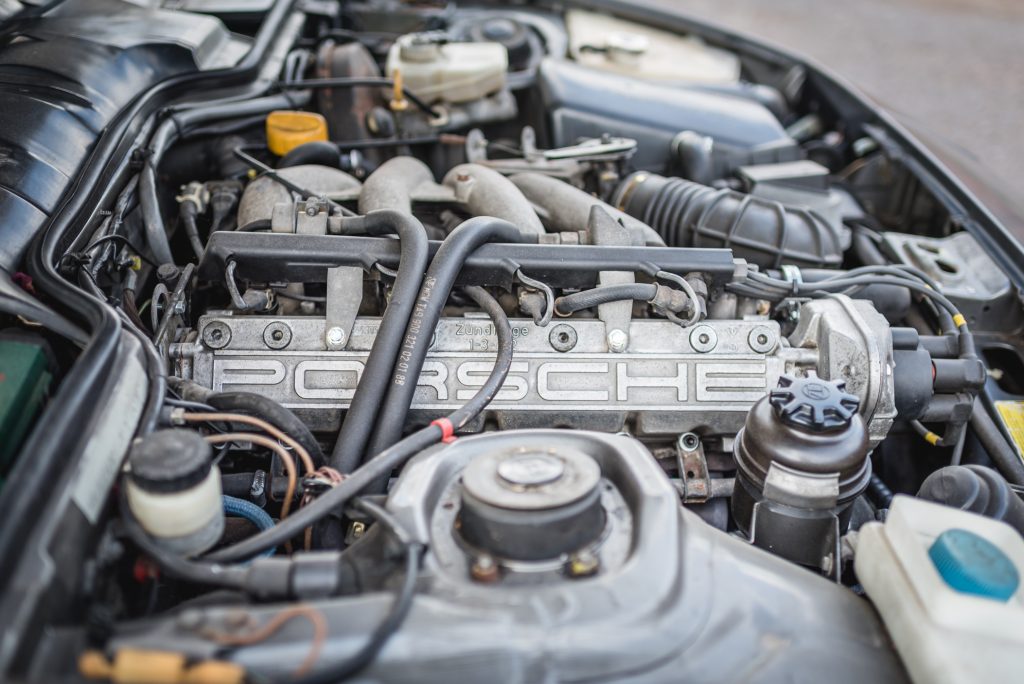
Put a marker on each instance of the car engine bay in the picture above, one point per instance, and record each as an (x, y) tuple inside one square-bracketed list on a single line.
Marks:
[(486, 343)]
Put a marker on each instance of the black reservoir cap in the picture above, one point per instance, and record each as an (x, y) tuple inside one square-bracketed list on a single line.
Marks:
[(170, 461), (814, 404)]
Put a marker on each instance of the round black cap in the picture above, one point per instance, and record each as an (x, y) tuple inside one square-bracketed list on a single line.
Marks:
[(812, 403), (170, 461)]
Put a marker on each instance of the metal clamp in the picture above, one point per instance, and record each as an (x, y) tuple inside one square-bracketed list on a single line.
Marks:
[(698, 307), (549, 296)]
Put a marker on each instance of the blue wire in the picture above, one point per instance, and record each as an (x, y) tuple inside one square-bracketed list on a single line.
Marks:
[(240, 508)]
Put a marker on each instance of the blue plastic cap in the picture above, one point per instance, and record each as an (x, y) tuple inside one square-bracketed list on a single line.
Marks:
[(971, 564)]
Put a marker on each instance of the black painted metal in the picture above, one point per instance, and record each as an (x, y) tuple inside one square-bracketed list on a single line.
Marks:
[(268, 257)]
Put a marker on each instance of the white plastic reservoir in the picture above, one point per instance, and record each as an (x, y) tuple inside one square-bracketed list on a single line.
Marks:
[(437, 71), (947, 584)]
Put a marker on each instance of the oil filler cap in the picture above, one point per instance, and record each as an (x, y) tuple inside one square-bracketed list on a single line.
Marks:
[(813, 403), (971, 564)]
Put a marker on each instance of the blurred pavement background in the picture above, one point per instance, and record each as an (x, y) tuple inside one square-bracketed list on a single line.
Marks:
[(953, 69)]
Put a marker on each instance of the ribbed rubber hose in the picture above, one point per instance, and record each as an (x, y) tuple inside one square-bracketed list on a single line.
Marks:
[(759, 230)]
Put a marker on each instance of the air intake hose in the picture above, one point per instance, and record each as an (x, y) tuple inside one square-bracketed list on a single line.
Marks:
[(761, 231)]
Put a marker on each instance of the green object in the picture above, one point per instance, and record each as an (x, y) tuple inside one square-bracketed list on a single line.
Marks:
[(24, 382)]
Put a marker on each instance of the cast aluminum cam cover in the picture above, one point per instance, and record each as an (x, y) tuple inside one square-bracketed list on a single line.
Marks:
[(668, 380)]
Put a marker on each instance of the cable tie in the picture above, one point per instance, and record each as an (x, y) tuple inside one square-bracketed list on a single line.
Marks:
[(447, 430)]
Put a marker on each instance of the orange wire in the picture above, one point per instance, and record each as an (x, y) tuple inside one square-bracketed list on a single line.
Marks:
[(267, 629), (270, 429), (286, 458)]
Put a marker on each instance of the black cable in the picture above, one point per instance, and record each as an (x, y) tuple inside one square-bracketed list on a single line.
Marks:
[(388, 460), (344, 82), (123, 240), (280, 180), (187, 210), (437, 284), (231, 126), (190, 405), (587, 299), (784, 289), (396, 614), (373, 384)]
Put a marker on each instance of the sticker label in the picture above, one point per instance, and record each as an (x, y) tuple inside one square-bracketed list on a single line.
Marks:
[(1012, 413)]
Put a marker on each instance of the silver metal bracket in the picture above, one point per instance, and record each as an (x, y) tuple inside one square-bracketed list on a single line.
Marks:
[(693, 468), (344, 295)]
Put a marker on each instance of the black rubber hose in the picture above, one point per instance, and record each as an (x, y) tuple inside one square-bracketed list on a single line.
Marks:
[(173, 128), (16, 302), (318, 152), (866, 250), (283, 419), (187, 211), (587, 299), (373, 384), (388, 460), (879, 492), (56, 438), (152, 221), (999, 450), (437, 285), (357, 662), (762, 231), (977, 489)]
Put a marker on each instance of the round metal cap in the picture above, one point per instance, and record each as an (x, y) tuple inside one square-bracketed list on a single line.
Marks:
[(531, 479), (531, 469), (531, 503)]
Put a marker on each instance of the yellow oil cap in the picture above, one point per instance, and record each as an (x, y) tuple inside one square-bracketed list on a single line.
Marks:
[(286, 130)]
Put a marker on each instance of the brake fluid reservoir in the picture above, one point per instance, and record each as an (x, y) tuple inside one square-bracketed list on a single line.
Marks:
[(438, 71), (173, 490)]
